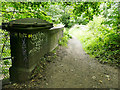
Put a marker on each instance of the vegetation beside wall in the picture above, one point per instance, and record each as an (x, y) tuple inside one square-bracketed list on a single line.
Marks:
[(99, 40), (66, 36)]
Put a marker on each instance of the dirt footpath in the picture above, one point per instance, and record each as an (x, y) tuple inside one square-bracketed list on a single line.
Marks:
[(73, 68)]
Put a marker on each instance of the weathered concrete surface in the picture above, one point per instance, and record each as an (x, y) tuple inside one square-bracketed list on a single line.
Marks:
[(28, 48)]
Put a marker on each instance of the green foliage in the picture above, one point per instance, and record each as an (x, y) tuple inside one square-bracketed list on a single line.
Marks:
[(24, 10), (85, 11), (66, 36), (6, 64), (100, 41), (111, 13), (82, 20), (61, 12), (5, 44), (65, 19), (55, 11), (68, 17)]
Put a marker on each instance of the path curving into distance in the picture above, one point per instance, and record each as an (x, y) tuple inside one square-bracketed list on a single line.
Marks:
[(73, 68)]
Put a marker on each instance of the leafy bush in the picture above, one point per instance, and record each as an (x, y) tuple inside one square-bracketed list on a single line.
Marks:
[(82, 20), (111, 13), (24, 10), (55, 11), (104, 43), (65, 19), (100, 41), (85, 11), (66, 36)]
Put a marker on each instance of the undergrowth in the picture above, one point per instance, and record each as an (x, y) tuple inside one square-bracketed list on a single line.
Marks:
[(99, 41), (66, 36)]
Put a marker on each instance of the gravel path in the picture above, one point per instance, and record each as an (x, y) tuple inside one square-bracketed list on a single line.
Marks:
[(73, 68)]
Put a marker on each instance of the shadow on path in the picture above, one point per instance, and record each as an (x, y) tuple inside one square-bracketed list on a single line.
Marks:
[(73, 68)]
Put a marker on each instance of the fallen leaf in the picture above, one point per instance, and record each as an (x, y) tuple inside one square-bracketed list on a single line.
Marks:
[(46, 83), (32, 80), (61, 65), (75, 59), (14, 84), (108, 79), (100, 81), (93, 77), (107, 76), (80, 84)]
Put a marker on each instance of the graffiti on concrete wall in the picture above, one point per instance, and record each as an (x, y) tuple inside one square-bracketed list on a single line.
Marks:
[(24, 47), (38, 40)]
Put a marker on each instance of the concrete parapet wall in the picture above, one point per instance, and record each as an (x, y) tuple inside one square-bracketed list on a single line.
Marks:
[(28, 48)]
